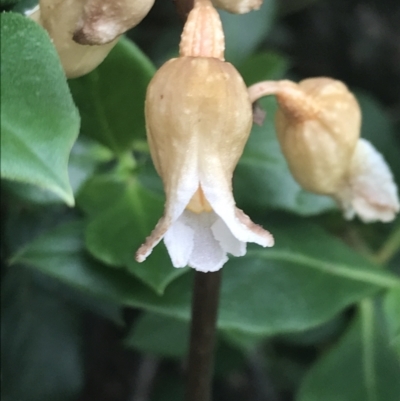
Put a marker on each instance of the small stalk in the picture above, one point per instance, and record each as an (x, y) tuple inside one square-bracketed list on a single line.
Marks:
[(205, 300)]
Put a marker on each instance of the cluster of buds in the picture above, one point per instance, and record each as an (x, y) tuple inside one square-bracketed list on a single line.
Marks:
[(85, 31), (318, 127)]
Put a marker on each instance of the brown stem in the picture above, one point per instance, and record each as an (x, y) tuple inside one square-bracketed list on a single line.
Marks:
[(202, 335)]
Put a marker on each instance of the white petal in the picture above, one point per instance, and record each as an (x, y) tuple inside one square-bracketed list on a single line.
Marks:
[(191, 240), (228, 242), (369, 191), (219, 195), (177, 198)]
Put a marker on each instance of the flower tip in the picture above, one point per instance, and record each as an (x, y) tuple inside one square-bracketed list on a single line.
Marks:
[(369, 191)]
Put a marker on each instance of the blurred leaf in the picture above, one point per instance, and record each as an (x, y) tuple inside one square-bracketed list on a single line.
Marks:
[(301, 284), (379, 129), (262, 178), (243, 33), (392, 313), (159, 335), (111, 98), (40, 341), (360, 367), (263, 66), (39, 122), (126, 214)]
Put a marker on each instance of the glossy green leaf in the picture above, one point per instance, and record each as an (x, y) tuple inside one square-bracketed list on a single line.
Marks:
[(392, 313), (86, 156), (127, 213), (243, 33), (265, 292), (40, 342), (111, 98), (262, 178), (361, 367), (39, 121)]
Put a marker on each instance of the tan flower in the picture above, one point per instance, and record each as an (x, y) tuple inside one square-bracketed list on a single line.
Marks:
[(198, 117)]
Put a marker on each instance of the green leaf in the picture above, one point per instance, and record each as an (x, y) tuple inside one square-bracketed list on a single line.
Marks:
[(159, 335), (262, 178), (39, 121), (243, 33), (40, 341), (263, 66), (292, 289), (126, 214), (111, 98), (361, 367), (392, 313), (86, 156)]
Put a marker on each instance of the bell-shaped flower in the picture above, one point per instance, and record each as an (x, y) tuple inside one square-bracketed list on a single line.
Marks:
[(318, 127), (198, 118)]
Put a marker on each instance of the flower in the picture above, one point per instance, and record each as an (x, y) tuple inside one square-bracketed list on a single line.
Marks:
[(75, 24), (103, 20), (318, 127), (198, 119)]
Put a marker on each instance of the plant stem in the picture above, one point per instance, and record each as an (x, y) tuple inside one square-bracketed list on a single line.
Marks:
[(390, 247), (202, 335)]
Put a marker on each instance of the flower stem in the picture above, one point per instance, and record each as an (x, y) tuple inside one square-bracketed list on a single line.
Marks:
[(202, 335), (390, 247)]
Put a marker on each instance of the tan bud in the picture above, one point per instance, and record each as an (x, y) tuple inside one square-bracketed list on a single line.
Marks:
[(59, 18), (318, 126), (103, 20), (238, 6)]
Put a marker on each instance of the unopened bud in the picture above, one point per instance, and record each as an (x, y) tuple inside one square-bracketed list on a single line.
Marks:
[(318, 127), (59, 18), (238, 6), (103, 20)]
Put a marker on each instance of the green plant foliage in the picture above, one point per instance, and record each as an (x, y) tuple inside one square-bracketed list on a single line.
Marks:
[(159, 335), (123, 213), (265, 292), (111, 98), (243, 33), (392, 312), (361, 367), (39, 121), (40, 342)]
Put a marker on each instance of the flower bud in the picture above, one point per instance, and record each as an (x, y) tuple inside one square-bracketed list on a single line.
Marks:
[(238, 6), (59, 18), (102, 21), (318, 127), (198, 119)]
